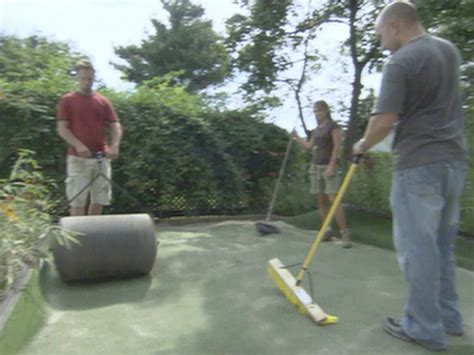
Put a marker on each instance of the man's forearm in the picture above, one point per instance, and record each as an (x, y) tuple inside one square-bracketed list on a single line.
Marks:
[(69, 137), (378, 128)]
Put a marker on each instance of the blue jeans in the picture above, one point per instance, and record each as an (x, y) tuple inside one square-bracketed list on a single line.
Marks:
[(425, 206)]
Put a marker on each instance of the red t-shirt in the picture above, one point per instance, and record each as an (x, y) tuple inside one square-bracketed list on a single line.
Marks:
[(87, 115)]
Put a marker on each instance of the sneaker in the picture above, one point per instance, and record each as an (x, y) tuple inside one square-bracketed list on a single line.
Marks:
[(327, 237), (346, 239), (454, 333), (394, 328)]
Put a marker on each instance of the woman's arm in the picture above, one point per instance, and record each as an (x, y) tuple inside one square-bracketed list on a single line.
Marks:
[(336, 143), (306, 144)]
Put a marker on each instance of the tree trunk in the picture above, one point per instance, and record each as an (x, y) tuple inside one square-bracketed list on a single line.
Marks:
[(356, 85), (352, 125)]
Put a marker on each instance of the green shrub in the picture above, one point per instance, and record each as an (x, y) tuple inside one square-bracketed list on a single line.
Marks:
[(24, 219), (294, 197), (370, 185), (180, 156)]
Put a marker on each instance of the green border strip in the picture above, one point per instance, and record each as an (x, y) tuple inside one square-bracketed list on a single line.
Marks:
[(376, 231), (178, 221), (21, 313), (8, 304)]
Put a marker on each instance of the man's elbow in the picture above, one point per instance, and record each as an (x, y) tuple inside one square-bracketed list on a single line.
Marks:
[(60, 131), (385, 121), (116, 129)]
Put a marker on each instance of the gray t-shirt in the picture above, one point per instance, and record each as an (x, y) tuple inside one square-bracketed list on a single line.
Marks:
[(323, 143), (421, 83)]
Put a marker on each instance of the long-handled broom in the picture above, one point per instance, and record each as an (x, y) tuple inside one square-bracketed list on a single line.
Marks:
[(265, 227), (290, 286)]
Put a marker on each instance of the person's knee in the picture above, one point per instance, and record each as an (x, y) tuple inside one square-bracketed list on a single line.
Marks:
[(95, 209), (77, 211), (323, 200)]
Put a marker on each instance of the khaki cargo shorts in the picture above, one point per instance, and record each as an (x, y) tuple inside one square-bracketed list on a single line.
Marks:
[(320, 183), (80, 173)]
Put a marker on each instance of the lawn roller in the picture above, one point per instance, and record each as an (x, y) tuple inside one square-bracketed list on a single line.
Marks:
[(109, 246)]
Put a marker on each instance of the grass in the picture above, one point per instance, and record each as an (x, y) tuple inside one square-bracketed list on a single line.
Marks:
[(376, 231)]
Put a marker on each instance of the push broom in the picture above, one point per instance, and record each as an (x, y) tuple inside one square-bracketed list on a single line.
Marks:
[(265, 227), (290, 286)]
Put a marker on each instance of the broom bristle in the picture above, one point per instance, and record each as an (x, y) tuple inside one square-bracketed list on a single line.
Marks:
[(290, 296), (296, 294)]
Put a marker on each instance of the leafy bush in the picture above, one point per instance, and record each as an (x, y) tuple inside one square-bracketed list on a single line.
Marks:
[(180, 156), (24, 219), (34, 73), (370, 185)]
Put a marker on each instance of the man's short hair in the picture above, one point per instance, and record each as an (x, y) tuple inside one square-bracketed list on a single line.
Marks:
[(84, 64), (400, 10)]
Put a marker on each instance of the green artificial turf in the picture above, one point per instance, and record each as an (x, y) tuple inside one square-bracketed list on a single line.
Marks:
[(209, 293)]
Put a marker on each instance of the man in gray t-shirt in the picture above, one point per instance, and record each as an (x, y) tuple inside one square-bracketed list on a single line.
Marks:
[(419, 98), (421, 83)]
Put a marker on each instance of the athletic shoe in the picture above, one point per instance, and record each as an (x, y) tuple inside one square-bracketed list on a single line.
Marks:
[(394, 328), (346, 239), (327, 237), (454, 333)]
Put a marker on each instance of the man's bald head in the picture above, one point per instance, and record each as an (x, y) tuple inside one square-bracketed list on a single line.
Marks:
[(398, 24), (403, 11)]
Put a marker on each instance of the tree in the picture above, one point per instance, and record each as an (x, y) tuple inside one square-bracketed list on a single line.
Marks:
[(34, 58), (188, 46), (364, 51), (256, 39), (34, 73), (264, 38)]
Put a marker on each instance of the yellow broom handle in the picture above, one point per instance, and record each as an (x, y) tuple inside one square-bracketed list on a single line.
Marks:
[(327, 220)]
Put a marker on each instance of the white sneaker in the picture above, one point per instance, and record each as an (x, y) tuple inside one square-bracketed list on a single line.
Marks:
[(346, 239)]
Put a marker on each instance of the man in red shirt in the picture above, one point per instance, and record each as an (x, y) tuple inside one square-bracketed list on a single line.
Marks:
[(82, 119)]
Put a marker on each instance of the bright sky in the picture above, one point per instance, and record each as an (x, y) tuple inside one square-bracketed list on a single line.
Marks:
[(94, 27)]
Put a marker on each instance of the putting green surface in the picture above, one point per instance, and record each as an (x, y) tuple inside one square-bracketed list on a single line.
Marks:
[(209, 293)]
